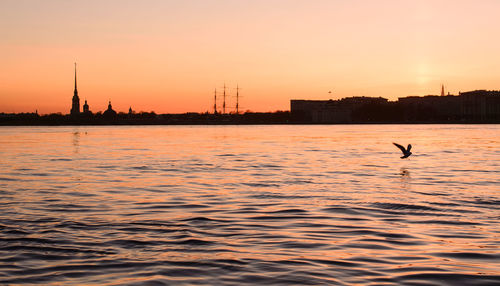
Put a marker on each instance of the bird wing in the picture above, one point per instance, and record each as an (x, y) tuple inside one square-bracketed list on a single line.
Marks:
[(409, 148), (400, 147)]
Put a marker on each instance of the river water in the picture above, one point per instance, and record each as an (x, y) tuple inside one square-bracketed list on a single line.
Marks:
[(235, 205)]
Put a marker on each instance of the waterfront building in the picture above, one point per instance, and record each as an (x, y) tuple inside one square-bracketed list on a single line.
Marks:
[(473, 106), (109, 113), (481, 105), (86, 109), (331, 111)]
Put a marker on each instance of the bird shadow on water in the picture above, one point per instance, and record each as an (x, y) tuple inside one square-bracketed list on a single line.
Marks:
[(405, 177)]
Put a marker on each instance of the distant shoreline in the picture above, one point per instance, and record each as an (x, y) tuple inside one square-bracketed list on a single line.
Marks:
[(240, 124), (248, 118)]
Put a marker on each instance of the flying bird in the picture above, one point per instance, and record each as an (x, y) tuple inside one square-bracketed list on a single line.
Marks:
[(406, 152)]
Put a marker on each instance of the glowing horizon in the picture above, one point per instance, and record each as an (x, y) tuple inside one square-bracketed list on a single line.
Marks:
[(168, 56)]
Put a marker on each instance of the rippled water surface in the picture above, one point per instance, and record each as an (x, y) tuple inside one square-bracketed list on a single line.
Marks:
[(232, 205)]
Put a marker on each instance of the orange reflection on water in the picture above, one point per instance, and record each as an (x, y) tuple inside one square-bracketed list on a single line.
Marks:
[(335, 200)]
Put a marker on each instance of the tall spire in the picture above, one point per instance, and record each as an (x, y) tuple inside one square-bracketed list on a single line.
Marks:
[(75, 78), (442, 90), (75, 107)]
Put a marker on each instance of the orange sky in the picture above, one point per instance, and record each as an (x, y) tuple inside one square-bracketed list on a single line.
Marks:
[(168, 56)]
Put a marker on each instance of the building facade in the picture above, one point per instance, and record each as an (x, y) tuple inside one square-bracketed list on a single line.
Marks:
[(479, 106)]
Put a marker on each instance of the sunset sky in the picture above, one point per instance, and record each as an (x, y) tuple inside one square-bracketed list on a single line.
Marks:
[(169, 56)]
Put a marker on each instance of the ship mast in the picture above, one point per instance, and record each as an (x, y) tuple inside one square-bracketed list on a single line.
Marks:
[(215, 101), (237, 99), (224, 102)]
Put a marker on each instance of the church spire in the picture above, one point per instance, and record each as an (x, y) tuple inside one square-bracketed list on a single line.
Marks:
[(75, 79), (75, 107), (442, 90)]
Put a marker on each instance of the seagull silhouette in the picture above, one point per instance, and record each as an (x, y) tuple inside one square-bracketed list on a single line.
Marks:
[(406, 152)]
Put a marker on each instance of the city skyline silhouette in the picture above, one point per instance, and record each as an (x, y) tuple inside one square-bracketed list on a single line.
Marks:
[(468, 107), (168, 56)]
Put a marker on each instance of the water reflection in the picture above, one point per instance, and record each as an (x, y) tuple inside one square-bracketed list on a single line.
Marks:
[(76, 142), (405, 173), (405, 177)]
